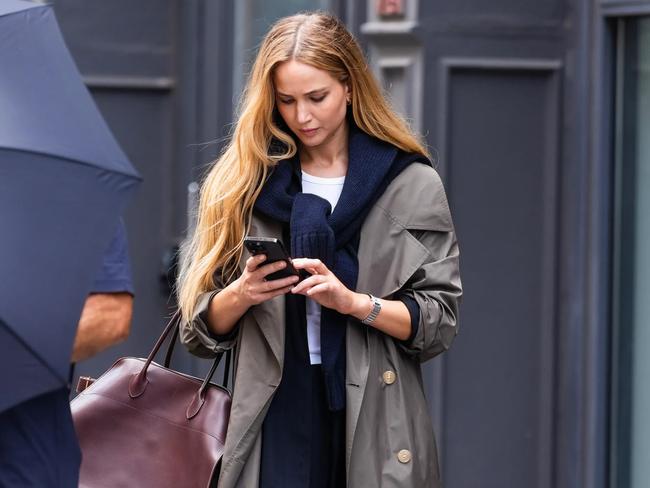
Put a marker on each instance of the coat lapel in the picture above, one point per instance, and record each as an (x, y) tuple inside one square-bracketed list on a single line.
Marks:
[(388, 255), (389, 252), (251, 399)]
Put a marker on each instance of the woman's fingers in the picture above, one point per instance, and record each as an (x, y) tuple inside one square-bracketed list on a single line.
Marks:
[(263, 290), (273, 285), (254, 261), (256, 287), (308, 283), (267, 269), (267, 295), (266, 290), (279, 291), (310, 265), (318, 289)]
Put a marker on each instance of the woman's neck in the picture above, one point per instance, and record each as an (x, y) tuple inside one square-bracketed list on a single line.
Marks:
[(329, 159)]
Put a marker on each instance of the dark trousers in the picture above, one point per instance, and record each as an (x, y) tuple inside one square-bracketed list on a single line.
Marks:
[(327, 466), (303, 442), (38, 444)]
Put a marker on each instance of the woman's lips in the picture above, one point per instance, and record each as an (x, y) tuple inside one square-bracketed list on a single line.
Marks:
[(309, 132)]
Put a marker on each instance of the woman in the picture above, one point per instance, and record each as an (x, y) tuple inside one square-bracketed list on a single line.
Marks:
[(328, 387)]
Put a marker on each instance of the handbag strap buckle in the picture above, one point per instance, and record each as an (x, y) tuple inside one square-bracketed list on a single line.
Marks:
[(84, 382)]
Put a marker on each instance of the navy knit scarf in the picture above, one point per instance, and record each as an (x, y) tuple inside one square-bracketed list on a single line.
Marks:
[(333, 238)]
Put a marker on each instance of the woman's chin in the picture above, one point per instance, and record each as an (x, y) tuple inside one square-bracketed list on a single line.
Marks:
[(310, 141)]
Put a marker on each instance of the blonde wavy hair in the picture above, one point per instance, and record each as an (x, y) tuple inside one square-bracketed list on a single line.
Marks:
[(235, 180)]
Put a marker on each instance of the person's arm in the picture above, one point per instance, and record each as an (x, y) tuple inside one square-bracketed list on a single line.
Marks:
[(394, 319), (324, 287), (105, 321), (106, 316), (213, 327), (227, 306)]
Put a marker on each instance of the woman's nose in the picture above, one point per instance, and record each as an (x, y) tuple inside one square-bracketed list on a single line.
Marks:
[(303, 115)]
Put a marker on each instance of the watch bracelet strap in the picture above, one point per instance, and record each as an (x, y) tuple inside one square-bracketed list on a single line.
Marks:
[(376, 308)]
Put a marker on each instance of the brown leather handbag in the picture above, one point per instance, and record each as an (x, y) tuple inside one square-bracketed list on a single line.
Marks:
[(141, 424)]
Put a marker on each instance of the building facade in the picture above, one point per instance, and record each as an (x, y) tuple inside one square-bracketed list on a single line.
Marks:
[(536, 113)]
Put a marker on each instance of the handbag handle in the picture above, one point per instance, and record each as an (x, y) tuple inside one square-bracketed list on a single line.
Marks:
[(170, 351), (139, 381)]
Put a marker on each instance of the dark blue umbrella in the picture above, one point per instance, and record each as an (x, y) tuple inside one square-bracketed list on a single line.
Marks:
[(64, 181)]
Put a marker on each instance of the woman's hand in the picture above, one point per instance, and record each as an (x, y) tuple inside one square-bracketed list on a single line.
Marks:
[(253, 289), (326, 289), (323, 286)]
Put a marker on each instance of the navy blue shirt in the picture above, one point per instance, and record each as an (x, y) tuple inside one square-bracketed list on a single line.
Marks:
[(115, 273)]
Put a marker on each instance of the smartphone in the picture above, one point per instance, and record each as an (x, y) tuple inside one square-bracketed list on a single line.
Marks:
[(274, 251)]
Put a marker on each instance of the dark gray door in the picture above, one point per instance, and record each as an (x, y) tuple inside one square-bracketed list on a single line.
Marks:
[(483, 82)]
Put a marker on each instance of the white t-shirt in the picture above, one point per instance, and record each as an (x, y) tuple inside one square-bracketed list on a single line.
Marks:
[(329, 189)]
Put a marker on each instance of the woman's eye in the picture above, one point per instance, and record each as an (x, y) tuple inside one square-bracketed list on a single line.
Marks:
[(286, 102), (318, 99)]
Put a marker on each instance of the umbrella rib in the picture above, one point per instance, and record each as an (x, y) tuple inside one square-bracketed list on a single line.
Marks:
[(22, 9), (30, 349), (75, 161)]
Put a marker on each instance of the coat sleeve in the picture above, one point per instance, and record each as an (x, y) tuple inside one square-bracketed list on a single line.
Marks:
[(436, 284), (196, 335)]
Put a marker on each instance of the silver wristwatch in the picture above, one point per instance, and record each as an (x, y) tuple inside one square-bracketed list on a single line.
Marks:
[(376, 308)]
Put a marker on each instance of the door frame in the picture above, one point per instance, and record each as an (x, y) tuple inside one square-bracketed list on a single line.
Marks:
[(595, 418)]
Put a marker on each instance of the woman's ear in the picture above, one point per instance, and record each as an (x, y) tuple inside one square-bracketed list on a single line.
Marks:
[(348, 93)]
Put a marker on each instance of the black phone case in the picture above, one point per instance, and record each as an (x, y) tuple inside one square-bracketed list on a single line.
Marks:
[(275, 252)]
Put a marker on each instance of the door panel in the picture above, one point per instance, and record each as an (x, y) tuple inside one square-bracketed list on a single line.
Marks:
[(501, 159)]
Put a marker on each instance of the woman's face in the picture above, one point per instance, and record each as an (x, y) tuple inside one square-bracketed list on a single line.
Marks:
[(311, 101)]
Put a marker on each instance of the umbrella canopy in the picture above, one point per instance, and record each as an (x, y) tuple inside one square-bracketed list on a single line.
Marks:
[(64, 181)]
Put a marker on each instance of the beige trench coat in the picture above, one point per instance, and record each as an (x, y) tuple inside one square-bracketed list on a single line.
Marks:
[(407, 241)]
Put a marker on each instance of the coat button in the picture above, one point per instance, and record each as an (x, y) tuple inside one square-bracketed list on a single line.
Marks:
[(404, 456), (389, 377)]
